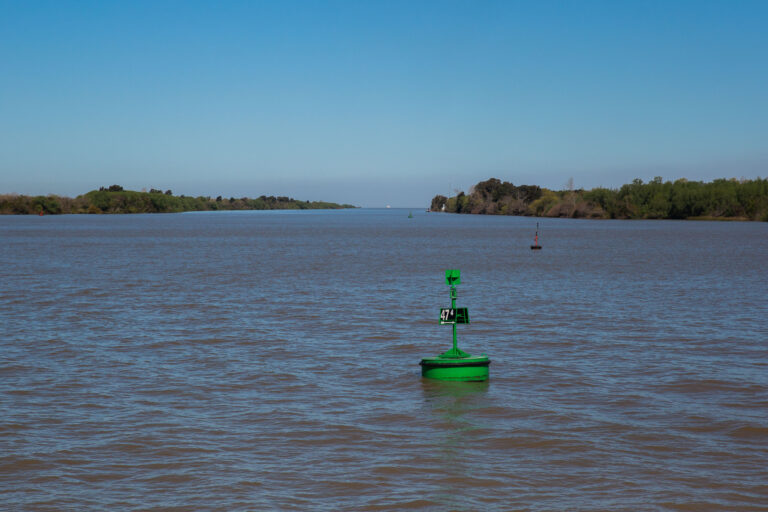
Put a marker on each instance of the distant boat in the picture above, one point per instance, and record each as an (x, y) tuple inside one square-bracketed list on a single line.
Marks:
[(389, 206), (536, 246)]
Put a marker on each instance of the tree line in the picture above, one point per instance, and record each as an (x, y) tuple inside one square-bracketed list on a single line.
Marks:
[(657, 199), (114, 199)]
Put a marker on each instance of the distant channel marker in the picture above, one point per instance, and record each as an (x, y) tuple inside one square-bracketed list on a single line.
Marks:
[(536, 246)]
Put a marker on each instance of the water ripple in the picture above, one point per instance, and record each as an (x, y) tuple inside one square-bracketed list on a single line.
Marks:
[(269, 362)]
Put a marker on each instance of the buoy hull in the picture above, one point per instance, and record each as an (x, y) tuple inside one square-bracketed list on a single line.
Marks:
[(467, 369)]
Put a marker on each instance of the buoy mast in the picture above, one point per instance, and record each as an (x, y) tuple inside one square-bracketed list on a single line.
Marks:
[(454, 315)]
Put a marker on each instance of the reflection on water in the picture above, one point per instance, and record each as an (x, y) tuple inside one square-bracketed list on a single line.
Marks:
[(452, 403), (451, 400)]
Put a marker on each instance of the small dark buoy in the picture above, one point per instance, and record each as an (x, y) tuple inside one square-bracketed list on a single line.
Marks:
[(536, 246)]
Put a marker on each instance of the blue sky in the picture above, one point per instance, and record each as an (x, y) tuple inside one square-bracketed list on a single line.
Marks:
[(377, 103)]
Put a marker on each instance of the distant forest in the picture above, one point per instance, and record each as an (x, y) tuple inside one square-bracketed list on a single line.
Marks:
[(724, 199), (114, 199)]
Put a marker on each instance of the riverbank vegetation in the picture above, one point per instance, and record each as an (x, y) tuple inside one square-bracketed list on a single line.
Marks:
[(114, 199), (722, 199)]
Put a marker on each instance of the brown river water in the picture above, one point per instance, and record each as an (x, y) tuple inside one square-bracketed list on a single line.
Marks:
[(269, 361)]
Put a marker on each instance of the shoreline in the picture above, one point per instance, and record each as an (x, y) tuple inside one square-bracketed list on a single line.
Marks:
[(116, 200), (696, 218), (721, 199)]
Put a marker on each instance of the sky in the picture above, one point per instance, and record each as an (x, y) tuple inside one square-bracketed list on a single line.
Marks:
[(378, 103)]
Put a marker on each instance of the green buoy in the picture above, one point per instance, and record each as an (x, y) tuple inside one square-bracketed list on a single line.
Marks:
[(455, 364)]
